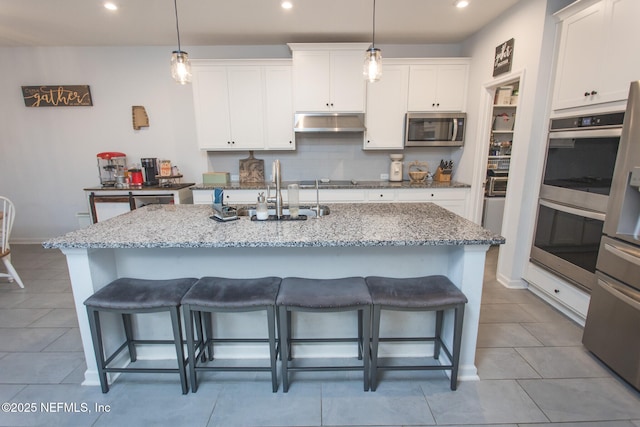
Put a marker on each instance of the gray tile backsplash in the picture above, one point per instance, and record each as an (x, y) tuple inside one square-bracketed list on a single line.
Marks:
[(334, 157)]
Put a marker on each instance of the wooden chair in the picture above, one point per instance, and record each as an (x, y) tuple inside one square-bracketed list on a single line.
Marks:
[(7, 215)]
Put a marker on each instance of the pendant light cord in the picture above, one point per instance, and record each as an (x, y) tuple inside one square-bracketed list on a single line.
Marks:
[(373, 43), (175, 6)]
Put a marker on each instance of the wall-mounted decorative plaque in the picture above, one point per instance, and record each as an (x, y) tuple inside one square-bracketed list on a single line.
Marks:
[(57, 96), (503, 58)]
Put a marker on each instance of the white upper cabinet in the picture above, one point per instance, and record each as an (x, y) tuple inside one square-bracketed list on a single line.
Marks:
[(438, 86), (595, 63), (279, 108), (243, 105), (328, 77), (386, 109)]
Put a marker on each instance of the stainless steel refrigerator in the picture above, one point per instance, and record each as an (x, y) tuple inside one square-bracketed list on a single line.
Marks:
[(612, 329)]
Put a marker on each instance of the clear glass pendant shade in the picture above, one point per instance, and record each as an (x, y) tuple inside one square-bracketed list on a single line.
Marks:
[(180, 67), (372, 69)]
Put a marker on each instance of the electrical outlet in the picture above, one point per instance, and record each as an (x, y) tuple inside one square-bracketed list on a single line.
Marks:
[(384, 176), (235, 177)]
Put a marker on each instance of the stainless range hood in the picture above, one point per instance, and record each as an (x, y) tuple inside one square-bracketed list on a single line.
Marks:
[(329, 122)]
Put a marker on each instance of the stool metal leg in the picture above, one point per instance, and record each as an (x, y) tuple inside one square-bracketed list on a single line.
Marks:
[(289, 334), (191, 353), (98, 348), (284, 345), (457, 344), (360, 341), (438, 335), (208, 332), (271, 320), (177, 334), (366, 333), (128, 333), (375, 336)]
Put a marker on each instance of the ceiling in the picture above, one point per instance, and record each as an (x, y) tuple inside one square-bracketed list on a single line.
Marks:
[(240, 22)]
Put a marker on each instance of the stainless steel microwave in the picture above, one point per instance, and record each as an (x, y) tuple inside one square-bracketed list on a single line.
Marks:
[(434, 129)]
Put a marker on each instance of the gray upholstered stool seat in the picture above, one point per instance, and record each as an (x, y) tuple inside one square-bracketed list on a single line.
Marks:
[(324, 295), (216, 294), (132, 296), (429, 293)]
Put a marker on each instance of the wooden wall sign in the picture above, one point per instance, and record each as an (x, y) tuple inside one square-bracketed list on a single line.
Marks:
[(57, 96), (503, 58)]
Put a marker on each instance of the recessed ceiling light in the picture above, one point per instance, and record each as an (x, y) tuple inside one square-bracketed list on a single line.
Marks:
[(461, 4), (286, 4), (110, 5)]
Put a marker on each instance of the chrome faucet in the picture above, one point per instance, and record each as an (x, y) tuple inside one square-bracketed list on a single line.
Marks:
[(277, 178)]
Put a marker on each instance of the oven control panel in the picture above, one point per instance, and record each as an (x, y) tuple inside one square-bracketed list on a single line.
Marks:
[(592, 121)]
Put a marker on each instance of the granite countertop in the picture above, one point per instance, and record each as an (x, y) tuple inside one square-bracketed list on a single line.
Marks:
[(178, 186), (338, 184), (371, 224)]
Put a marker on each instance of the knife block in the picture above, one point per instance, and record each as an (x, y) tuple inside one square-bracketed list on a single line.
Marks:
[(442, 175)]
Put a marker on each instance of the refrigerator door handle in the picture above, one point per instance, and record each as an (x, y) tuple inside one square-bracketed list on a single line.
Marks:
[(632, 300), (625, 254)]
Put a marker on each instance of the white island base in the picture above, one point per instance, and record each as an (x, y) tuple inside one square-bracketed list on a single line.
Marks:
[(91, 269)]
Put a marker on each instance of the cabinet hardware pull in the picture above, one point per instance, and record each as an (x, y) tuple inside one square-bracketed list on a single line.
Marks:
[(593, 92), (586, 94), (557, 291)]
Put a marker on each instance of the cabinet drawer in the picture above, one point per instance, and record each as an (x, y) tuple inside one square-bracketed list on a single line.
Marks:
[(202, 197), (384, 195), (430, 195), (327, 196), (556, 289)]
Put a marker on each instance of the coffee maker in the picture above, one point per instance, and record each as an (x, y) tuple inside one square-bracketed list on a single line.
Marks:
[(150, 166), (395, 172)]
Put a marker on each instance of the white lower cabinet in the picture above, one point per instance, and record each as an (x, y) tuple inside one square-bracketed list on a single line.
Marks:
[(565, 297), (453, 199)]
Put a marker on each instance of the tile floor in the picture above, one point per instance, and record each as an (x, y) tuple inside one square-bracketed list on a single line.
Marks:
[(533, 369)]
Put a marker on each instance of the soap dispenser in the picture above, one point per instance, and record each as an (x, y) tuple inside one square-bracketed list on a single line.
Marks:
[(262, 211)]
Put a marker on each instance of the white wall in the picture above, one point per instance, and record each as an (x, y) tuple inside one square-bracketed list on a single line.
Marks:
[(531, 25), (48, 155)]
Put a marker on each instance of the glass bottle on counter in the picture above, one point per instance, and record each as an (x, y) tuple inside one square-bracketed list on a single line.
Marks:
[(262, 211)]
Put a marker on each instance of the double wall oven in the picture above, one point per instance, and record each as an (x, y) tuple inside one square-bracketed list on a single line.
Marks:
[(579, 168)]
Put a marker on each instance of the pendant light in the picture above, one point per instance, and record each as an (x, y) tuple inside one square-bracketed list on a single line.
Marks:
[(180, 64), (373, 56)]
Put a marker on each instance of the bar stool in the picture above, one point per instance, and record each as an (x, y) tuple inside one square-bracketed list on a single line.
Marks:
[(133, 296), (216, 294), (430, 293), (324, 295)]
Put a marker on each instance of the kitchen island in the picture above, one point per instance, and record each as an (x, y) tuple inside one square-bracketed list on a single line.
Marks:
[(170, 241)]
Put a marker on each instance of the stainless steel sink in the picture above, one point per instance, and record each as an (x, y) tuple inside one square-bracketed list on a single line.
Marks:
[(306, 211)]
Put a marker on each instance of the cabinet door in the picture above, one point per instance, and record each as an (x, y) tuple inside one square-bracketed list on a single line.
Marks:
[(213, 125), (347, 81), (422, 88), (311, 81), (620, 64), (279, 108), (579, 65), (245, 107), (386, 109), (451, 88)]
